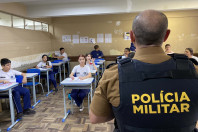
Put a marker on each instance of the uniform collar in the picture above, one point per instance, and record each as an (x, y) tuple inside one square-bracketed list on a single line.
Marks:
[(151, 54)]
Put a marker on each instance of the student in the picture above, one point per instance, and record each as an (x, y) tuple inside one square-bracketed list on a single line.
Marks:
[(7, 75), (82, 71), (90, 62), (61, 55), (97, 53), (126, 53), (168, 49), (189, 53), (47, 64)]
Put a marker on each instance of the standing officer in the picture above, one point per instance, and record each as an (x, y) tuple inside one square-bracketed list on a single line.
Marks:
[(152, 92)]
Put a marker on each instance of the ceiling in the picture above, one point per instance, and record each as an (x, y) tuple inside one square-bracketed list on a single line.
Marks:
[(53, 8)]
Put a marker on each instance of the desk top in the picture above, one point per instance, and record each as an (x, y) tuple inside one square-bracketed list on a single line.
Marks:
[(77, 82), (31, 75), (97, 66), (45, 69), (7, 86)]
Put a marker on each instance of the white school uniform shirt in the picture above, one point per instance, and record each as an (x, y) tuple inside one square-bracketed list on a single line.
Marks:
[(42, 64), (64, 54), (90, 66), (10, 75), (81, 71), (196, 58)]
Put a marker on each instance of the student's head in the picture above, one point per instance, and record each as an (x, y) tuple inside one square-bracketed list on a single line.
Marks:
[(149, 28), (62, 50), (81, 59), (6, 64), (167, 47), (189, 52), (126, 51), (88, 56), (44, 58), (96, 47)]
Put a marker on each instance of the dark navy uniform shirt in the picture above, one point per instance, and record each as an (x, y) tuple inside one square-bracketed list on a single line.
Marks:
[(96, 54)]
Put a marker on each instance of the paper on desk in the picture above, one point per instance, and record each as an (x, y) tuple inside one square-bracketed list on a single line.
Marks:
[(77, 79)]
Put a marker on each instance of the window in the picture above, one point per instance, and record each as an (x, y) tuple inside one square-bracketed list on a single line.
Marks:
[(18, 22), (45, 27), (5, 20), (10, 20), (29, 24), (38, 26)]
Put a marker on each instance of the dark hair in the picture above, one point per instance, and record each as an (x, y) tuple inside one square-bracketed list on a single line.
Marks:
[(96, 47), (5, 61), (61, 48), (127, 49), (81, 55), (167, 45), (44, 55), (89, 54), (190, 50), (150, 28)]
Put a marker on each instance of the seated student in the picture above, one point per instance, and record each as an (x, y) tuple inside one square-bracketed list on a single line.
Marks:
[(61, 55), (189, 53), (168, 49), (47, 64), (90, 62), (97, 53), (7, 75), (126, 53), (82, 71)]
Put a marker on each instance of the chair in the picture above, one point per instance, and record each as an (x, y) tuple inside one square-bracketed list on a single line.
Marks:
[(36, 83)]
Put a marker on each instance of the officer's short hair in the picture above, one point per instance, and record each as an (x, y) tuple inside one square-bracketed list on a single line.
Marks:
[(96, 47), (5, 61), (167, 45), (61, 48), (190, 50), (148, 33)]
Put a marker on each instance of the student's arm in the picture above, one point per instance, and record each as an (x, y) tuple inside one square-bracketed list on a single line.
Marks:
[(72, 76), (95, 66), (88, 76), (24, 78), (37, 67), (101, 54), (4, 81), (61, 57)]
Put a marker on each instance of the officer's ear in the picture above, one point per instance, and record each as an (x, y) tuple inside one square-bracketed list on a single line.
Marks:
[(167, 34), (132, 36)]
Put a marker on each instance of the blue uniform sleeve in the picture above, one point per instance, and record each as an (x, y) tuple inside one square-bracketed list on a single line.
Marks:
[(132, 48), (101, 54)]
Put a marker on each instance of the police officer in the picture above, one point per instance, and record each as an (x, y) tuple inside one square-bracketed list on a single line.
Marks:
[(152, 92)]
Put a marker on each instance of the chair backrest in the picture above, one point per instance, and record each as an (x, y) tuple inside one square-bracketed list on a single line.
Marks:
[(19, 78), (34, 71), (57, 61)]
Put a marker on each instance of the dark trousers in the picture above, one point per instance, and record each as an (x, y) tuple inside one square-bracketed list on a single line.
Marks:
[(17, 92), (78, 95), (52, 79)]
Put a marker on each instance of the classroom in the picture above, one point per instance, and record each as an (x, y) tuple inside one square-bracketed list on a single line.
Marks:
[(98, 65)]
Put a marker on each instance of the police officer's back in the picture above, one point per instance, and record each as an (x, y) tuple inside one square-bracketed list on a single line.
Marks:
[(152, 92)]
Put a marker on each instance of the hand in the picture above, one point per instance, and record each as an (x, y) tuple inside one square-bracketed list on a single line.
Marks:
[(81, 78), (5, 81), (93, 59), (72, 77), (99, 57), (24, 81)]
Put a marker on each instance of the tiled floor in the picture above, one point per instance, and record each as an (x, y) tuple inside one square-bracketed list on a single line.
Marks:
[(48, 118)]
